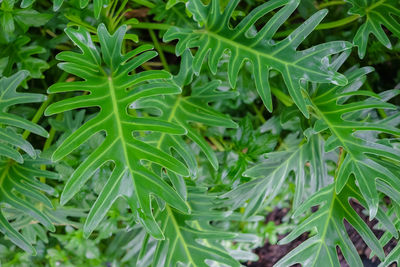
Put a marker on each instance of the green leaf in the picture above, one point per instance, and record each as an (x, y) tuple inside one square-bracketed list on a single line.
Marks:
[(215, 35), (377, 13), (189, 238), (10, 140), (333, 209), (18, 184), (111, 87), (21, 190), (270, 175), (27, 18), (12, 17), (21, 57), (338, 113)]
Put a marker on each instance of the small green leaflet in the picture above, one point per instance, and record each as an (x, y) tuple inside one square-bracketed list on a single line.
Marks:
[(97, 5), (21, 55)]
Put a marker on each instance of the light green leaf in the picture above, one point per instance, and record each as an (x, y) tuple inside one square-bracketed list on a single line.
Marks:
[(107, 77)]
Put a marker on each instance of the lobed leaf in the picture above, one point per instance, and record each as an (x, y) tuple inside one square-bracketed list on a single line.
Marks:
[(111, 87), (214, 36), (377, 14)]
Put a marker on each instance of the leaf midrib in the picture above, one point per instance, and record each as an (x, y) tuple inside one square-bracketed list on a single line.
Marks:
[(371, 7), (336, 133), (325, 230), (253, 51), (332, 128), (114, 102), (179, 235)]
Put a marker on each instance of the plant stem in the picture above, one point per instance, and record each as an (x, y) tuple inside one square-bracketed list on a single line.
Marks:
[(166, 48), (145, 3), (52, 133), (258, 113), (152, 26), (42, 108), (330, 3), (342, 154), (285, 99), (216, 143), (337, 23), (38, 114), (48, 143), (323, 26), (159, 50)]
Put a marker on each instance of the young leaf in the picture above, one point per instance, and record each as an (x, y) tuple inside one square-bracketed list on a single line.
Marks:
[(106, 77), (215, 35)]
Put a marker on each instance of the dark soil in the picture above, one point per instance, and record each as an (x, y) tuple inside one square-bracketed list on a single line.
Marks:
[(269, 254)]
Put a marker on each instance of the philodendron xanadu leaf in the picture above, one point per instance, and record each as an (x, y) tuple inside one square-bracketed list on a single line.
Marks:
[(215, 35), (189, 238), (18, 173), (9, 138), (333, 108), (377, 13), (106, 76), (20, 189), (272, 174), (320, 249)]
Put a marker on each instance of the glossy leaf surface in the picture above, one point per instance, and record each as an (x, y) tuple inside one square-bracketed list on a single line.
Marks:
[(107, 77), (215, 35)]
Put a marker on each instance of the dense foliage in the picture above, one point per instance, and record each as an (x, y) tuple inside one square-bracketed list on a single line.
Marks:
[(161, 133)]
